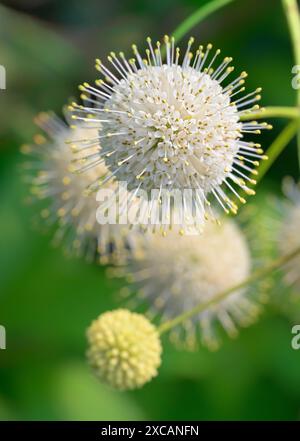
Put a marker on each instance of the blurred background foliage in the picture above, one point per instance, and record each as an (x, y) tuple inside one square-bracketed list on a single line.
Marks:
[(46, 300)]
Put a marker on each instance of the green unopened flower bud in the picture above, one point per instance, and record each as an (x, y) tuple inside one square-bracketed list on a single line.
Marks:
[(124, 349)]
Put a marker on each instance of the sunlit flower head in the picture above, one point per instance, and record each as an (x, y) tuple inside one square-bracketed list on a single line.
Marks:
[(62, 192), (174, 122), (289, 234), (124, 349), (175, 274)]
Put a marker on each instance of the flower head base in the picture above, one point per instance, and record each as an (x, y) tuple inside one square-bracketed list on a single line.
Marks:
[(289, 237), (174, 125), (175, 274), (124, 349), (63, 195)]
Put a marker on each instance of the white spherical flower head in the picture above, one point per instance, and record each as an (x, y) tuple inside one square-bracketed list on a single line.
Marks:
[(175, 274), (174, 124), (63, 193), (289, 237), (124, 349), (182, 116)]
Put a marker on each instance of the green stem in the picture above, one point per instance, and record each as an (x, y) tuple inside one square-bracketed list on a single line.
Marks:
[(293, 18), (259, 274), (198, 16), (277, 147), (272, 112)]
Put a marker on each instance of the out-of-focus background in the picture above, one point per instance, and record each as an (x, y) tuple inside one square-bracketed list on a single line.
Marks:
[(46, 300)]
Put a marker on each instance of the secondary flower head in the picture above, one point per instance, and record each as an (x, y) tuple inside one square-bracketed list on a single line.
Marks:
[(175, 274), (289, 237), (62, 192), (124, 349), (174, 124)]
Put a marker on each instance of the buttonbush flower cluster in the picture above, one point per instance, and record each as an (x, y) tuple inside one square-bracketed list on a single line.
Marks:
[(163, 120), (62, 196), (289, 236), (174, 275), (173, 124), (124, 349)]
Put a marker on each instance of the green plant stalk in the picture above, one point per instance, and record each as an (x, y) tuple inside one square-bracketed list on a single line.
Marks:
[(259, 274), (272, 112), (277, 147), (293, 18), (197, 17)]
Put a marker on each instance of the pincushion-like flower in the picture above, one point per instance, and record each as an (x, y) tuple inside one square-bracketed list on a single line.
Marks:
[(289, 234), (171, 125), (63, 195), (175, 274), (124, 349)]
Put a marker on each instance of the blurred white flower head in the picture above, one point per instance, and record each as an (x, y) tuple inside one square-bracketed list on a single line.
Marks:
[(289, 233), (62, 192), (173, 124), (175, 274)]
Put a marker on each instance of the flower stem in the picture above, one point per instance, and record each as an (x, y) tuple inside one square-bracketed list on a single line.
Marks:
[(257, 275), (272, 112), (277, 147), (293, 17), (197, 17)]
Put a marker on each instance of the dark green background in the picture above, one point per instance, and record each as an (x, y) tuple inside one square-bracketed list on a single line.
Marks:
[(47, 301)]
